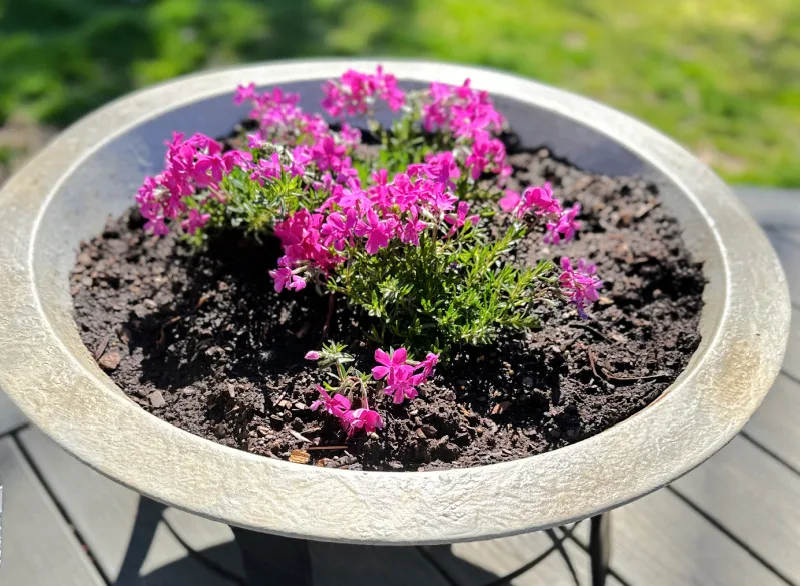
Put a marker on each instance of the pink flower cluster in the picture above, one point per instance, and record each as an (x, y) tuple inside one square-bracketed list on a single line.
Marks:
[(311, 140), (195, 163), (371, 218), (352, 420), (562, 223), (357, 93), (402, 375), (579, 283), (469, 115)]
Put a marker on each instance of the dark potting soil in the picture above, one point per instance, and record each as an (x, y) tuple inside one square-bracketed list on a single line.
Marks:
[(200, 339)]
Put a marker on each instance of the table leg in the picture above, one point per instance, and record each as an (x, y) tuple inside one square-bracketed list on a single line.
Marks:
[(270, 560), (600, 547)]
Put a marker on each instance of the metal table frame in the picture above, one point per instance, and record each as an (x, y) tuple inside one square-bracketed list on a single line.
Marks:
[(270, 560)]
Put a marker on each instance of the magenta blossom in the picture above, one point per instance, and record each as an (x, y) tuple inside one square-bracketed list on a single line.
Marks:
[(565, 227), (357, 93), (312, 355), (412, 228), (403, 389), (194, 221), (441, 168), (338, 229), (540, 201), (509, 201), (460, 218), (398, 370), (428, 365), (394, 365), (359, 419), (377, 231), (579, 283), (338, 405), (284, 278)]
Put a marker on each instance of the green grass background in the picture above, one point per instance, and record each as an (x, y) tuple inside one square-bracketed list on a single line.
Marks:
[(721, 76)]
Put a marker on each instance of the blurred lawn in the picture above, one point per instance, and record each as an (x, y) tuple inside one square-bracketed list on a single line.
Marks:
[(721, 76)]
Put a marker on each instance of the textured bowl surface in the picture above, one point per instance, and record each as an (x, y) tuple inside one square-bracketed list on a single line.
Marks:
[(93, 169)]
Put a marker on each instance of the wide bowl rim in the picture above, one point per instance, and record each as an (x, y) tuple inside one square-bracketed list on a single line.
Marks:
[(723, 389)]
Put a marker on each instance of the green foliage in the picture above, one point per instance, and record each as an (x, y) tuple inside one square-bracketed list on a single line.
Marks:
[(254, 207), (446, 292)]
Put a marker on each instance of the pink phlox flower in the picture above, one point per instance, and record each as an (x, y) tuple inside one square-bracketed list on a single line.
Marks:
[(234, 158), (440, 199), (267, 169), (348, 175), (579, 283), (328, 155), (337, 405), (429, 364), (204, 144), (487, 154), (403, 193), (157, 226), (255, 141), (540, 201), (349, 136), (509, 201), (355, 93), (412, 228), (565, 227), (393, 365), (399, 375), (458, 220), (358, 419), (461, 110), (244, 93), (388, 90), (208, 170), (377, 231), (345, 198), (403, 389), (282, 276), (313, 355), (300, 237), (338, 228), (442, 169), (194, 221)]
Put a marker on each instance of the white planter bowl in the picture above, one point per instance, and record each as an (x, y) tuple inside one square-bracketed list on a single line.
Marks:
[(93, 169)]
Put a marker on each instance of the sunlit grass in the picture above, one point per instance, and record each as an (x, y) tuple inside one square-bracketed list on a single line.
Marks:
[(721, 76)]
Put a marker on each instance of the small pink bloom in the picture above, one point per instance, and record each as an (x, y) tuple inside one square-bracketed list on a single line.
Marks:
[(194, 221), (377, 231), (338, 228), (565, 227), (244, 94), (282, 277), (428, 365), (313, 355), (393, 365), (412, 228), (267, 169), (338, 405), (298, 283), (442, 168), (402, 390), (366, 419), (255, 141), (460, 218), (540, 201), (579, 283), (509, 201)]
